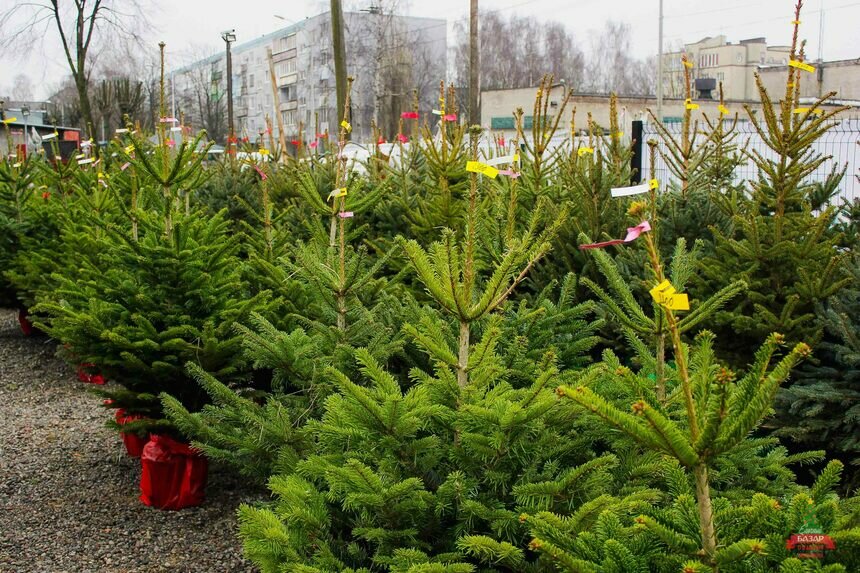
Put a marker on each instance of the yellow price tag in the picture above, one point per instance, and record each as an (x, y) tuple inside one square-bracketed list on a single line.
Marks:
[(345, 124), (482, 168), (690, 105), (516, 157), (653, 184), (129, 148), (664, 294), (9, 120), (723, 109), (264, 151), (688, 63), (816, 111), (583, 150), (337, 193), (796, 22), (801, 66)]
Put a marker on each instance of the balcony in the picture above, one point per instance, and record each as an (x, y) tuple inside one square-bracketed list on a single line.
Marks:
[(288, 79)]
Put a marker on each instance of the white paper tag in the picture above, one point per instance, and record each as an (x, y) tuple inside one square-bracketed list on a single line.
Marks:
[(503, 159), (627, 191)]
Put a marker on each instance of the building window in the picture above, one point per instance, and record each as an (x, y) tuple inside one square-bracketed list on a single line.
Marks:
[(251, 80), (288, 93), (285, 43), (289, 117), (286, 67)]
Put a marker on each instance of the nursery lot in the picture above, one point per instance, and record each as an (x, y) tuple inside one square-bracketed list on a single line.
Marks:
[(68, 491)]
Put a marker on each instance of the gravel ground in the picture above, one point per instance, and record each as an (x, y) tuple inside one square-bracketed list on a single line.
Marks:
[(69, 494)]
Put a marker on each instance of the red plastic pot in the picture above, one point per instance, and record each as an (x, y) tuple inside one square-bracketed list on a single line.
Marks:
[(85, 376), (26, 325), (173, 475), (133, 443)]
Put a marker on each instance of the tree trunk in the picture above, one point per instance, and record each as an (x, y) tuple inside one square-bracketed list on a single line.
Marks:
[(706, 510), (661, 367), (341, 312), (463, 358), (86, 108)]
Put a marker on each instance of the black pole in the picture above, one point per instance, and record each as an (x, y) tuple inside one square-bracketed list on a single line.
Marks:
[(638, 148)]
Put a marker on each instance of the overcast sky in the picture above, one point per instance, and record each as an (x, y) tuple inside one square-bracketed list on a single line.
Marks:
[(183, 24)]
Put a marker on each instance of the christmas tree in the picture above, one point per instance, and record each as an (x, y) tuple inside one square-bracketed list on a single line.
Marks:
[(822, 406), (778, 244)]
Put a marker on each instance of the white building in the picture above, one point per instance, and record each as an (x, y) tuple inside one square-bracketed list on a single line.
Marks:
[(389, 57), (732, 64)]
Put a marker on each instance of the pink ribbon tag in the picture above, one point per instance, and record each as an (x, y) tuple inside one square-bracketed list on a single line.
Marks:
[(170, 143), (260, 171), (502, 141), (168, 120), (509, 172), (409, 115), (632, 234), (124, 167), (345, 214), (402, 138), (450, 117), (312, 144)]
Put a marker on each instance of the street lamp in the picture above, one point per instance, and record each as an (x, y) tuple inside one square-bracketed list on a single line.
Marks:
[(25, 113), (229, 37)]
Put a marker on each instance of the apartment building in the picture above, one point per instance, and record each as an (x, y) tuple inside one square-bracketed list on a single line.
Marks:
[(732, 64), (388, 55)]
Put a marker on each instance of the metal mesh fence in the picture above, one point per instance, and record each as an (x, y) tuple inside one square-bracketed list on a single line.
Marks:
[(839, 145)]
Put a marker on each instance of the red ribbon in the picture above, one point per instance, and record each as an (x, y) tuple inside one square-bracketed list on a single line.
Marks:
[(402, 138)]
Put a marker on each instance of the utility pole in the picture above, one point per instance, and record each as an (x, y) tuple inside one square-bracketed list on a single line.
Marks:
[(820, 71), (474, 118), (339, 58), (660, 66), (229, 37)]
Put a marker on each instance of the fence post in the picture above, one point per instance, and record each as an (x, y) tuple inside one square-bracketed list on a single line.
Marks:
[(638, 150)]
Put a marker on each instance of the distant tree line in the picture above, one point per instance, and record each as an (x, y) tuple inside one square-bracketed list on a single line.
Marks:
[(518, 50)]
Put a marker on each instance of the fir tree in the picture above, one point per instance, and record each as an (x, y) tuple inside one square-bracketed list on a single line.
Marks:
[(441, 198), (822, 405), (449, 270), (391, 487), (778, 244), (21, 216)]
